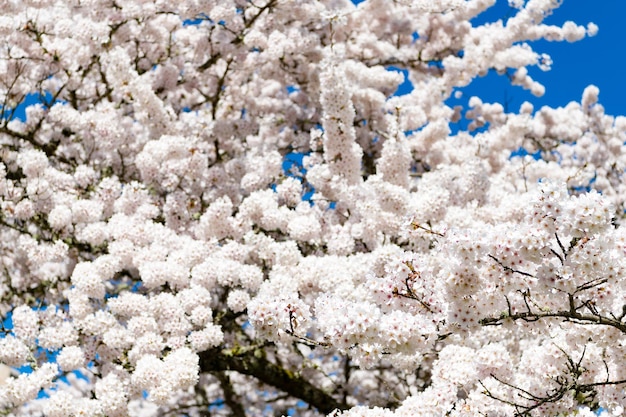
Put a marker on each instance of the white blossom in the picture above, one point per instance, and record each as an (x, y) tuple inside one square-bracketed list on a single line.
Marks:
[(71, 358), (226, 207)]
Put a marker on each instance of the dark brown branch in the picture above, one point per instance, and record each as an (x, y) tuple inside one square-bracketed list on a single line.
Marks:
[(509, 269), (523, 410), (230, 397), (570, 315), (591, 284), (568, 383), (213, 59), (410, 294), (430, 230), (562, 248), (253, 362), (293, 323), (210, 62), (557, 255)]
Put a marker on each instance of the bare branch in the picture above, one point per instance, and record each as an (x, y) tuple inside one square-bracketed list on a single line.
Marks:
[(509, 269)]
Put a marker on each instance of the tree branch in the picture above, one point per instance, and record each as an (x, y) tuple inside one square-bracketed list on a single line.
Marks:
[(571, 315), (253, 362), (230, 396), (509, 269)]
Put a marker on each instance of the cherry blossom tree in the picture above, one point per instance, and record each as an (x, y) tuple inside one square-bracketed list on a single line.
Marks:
[(158, 257)]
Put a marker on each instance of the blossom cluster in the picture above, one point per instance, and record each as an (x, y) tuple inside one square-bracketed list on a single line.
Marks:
[(161, 255)]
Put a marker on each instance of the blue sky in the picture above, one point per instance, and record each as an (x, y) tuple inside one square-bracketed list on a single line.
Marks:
[(599, 60)]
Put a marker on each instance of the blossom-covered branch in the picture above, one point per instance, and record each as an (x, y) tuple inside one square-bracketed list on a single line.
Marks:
[(228, 208)]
